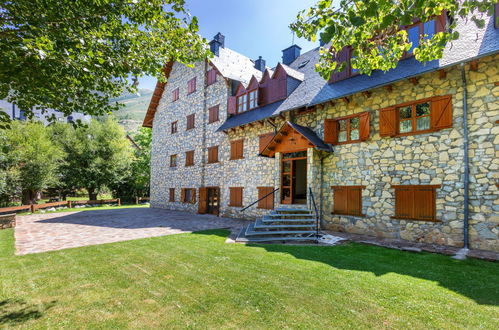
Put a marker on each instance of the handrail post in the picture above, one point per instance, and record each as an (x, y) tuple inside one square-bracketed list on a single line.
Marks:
[(312, 201)]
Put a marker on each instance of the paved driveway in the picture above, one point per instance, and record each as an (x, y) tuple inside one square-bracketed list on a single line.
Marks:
[(56, 231)]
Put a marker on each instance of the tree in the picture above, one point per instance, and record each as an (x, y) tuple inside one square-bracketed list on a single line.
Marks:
[(372, 29), (75, 55), (29, 160), (97, 155)]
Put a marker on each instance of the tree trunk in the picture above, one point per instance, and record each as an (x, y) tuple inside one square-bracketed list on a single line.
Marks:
[(29, 197), (92, 195)]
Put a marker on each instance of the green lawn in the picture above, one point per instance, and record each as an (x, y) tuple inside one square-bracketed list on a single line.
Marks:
[(198, 281)]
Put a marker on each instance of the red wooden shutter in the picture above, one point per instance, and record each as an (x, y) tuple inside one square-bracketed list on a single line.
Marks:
[(265, 140), (365, 126), (404, 202), (232, 105), (331, 131), (354, 200), (496, 16), (441, 112), (211, 76), (263, 94), (388, 122), (440, 22), (340, 200), (342, 56), (282, 84), (424, 203)]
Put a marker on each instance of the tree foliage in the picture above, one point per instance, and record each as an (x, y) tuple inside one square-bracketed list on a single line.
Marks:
[(74, 55), (372, 29)]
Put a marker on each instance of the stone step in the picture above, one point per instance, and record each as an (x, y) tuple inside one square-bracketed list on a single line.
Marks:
[(274, 239), (251, 231), (280, 215), (259, 224), (283, 209), (293, 221)]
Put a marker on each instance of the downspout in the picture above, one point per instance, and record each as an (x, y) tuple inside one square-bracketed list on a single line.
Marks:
[(466, 159), (205, 96), (461, 254)]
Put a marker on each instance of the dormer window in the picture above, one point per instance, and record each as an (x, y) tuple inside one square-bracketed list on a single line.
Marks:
[(247, 101), (242, 103), (253, 99)]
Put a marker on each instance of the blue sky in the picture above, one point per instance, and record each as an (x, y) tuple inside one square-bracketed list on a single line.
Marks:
[(253, 28)]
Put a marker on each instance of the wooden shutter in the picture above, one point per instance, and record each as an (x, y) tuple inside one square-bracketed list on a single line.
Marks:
[(232, 105), (404, 202), (496, 16), (388, 122), (342, 56), (189, 158), (213, 114), (268, 202), (182, 195), (331, 131), (282, 84), (211, 76), (193, 195), (424, 203), (365, 126), (172, 195), (213, 154), (236, 196), (340, 200), (354, 200), (263, 95), (440, 22), (264, 141), (236, 149), (203, 205), (441, 112)]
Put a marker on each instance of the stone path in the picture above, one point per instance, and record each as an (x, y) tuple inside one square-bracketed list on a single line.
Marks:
[(56, 231)]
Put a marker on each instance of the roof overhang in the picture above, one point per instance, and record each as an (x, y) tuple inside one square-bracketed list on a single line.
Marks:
[(156, 97), (292, 137)]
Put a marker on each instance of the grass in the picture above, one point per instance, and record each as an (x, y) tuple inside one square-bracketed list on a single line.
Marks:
[(198, 281)]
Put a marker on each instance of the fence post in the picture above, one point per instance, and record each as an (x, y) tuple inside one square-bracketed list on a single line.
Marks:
[(136, 200), (119, 201), (70, 204), (32, 208)]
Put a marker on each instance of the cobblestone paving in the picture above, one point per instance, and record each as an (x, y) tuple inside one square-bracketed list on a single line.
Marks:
[(56, 231)]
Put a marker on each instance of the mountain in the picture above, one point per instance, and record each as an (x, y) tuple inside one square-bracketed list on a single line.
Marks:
[(132, 115)]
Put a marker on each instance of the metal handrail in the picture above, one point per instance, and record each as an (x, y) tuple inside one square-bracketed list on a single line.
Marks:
[(270, 193), (312, 201)]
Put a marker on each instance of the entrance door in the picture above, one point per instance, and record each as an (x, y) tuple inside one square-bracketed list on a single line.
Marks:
[(213, 200), (294, 178)]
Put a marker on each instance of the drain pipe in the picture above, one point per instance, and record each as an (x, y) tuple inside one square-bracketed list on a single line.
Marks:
[(461, 254)]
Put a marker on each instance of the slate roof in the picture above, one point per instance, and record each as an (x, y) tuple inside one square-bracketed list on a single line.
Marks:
[(311, 136), (473, 43), (235, 66)]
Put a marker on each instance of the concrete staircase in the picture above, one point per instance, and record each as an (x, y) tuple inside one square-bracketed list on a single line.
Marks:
[(281, 225)]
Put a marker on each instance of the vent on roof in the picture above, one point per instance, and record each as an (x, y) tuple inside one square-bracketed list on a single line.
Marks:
[(302, 64)]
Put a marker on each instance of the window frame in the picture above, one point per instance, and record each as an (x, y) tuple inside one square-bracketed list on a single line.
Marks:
[(234, 144), (239, 200), (190, 125), (242, 106), (192, 195), (173, 161), (189, 158), (174, 127), (347, 188), (348, 129), (414, 202), (255, 99), (210, 156), (413, 118)]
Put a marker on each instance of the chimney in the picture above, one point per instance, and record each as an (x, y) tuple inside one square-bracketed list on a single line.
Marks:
[(217, 42), (260, 64), (290, 54)]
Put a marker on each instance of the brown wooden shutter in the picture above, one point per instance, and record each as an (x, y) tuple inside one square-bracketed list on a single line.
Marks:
[(354, 200), (388, 122), (331, 131), (365, 126), (496, 16), (282, 84), (440, 22), (232, 105), (424, 203), (265, 140), (263, 94), (340, 200), (342, 56), (203, 205), (441, 112), (404, 202), (193, 196), (236, 196), (268, 202), (172, 195), (182, 195)]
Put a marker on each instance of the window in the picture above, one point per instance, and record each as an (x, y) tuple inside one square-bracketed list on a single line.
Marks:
[(427, 115), (211, 76), (242, 103), (417, 31), (174, 127), (172, 195), (175, 95), (191, 86), (213, 155), (265, 140), (415, 202), (347, 200), (268, 202), (190, 121), (189, 158), (213, 115), (253, 99), (236, 149), (188, 195), (350, 129), (173, 160), (236, 196)]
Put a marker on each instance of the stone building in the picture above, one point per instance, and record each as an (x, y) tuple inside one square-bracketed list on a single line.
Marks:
[(396, 154)]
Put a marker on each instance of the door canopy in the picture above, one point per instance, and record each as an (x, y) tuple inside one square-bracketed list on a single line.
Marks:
[(292, 137)]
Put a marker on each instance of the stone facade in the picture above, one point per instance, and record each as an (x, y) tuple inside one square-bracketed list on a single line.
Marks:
[(7, 221), (434, 158)]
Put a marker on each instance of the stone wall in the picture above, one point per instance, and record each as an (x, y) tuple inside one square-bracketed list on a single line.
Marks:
[(7, 221), (378, 163)]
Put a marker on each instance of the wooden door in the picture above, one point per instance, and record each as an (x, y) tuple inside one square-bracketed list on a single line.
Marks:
[(203, 204), (287, 181)]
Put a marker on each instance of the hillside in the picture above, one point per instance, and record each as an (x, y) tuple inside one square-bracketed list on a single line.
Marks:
[(132, 115)]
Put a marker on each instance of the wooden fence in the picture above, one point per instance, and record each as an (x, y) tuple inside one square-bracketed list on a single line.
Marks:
[(69, 204), (141, 199)]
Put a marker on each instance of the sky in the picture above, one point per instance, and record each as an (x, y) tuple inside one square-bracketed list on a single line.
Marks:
[(252, 28)]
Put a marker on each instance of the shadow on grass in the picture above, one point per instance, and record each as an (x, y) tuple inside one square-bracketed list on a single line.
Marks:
[(475, 279), (17, 311)]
